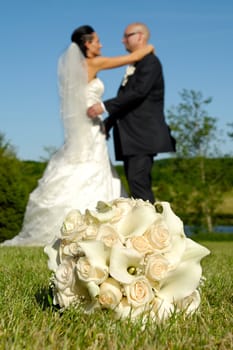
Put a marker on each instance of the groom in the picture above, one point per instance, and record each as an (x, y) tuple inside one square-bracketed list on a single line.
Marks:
[(136, 115)]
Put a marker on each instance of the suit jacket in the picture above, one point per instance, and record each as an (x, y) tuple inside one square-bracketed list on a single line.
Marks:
[(137, 112)]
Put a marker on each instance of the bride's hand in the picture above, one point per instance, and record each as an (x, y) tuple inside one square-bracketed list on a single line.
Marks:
[(151, 48), (95, 110)]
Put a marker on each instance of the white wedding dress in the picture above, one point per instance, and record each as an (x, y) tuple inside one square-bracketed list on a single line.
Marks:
[(77, 176)]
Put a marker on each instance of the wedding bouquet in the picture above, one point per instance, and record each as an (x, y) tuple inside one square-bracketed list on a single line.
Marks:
[(128, 256)]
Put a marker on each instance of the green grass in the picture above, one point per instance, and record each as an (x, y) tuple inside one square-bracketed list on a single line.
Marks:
[(27, 321)]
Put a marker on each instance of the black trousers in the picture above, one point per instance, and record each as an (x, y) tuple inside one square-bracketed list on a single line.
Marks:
[(138, 173)]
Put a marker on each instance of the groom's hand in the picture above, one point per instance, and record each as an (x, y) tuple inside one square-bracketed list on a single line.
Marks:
[(95, 110)]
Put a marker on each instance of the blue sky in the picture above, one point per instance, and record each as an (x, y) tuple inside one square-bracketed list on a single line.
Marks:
[(193, 40)]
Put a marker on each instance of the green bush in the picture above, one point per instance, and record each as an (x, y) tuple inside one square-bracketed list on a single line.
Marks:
[(17, 180)]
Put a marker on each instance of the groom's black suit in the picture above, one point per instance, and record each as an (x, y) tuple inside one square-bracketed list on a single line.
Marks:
[(140, 130)]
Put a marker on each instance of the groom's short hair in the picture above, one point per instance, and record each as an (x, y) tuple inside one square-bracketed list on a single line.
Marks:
[(142, 28)]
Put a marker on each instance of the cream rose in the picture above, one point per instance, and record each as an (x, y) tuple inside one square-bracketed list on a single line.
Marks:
[(157, 267), (139, 292), (141, 244), (158, 235), (110, 293), (108, 235), (87, 272)]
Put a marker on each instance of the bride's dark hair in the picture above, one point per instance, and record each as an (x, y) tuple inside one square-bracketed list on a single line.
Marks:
[(81, 35)]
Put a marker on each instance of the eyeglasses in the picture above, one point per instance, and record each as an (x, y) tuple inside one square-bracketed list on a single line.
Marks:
[(126, 36)]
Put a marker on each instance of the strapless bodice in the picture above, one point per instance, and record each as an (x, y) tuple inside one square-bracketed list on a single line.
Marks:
[(95, 90)]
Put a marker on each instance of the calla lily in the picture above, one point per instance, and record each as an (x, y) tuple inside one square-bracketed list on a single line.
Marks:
[(137, 221), (161, 310), (176, 230), (182, 281), (123, 309), (191, 303), (121, 261), (91, 307), (174, 223), (96, 252), (93, 289), (52, 251)]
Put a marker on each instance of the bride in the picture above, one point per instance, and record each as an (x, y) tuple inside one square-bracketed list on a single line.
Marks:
[(80, 172)]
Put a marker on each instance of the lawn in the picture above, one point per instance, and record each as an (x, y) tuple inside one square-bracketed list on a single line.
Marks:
[(28, 321)]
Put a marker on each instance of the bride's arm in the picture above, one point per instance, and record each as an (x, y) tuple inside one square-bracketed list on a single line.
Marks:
[(101, 62)]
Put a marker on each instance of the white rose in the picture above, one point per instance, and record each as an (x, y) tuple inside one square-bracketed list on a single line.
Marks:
[(139, 292), (110, 293), (71, 223), (158, 235), (90, 273), (52, 250), (64, 284), (90, 232), (64, 298), (124, 309), (64, 275), (129, 71), (157, 267), (71, 249)]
